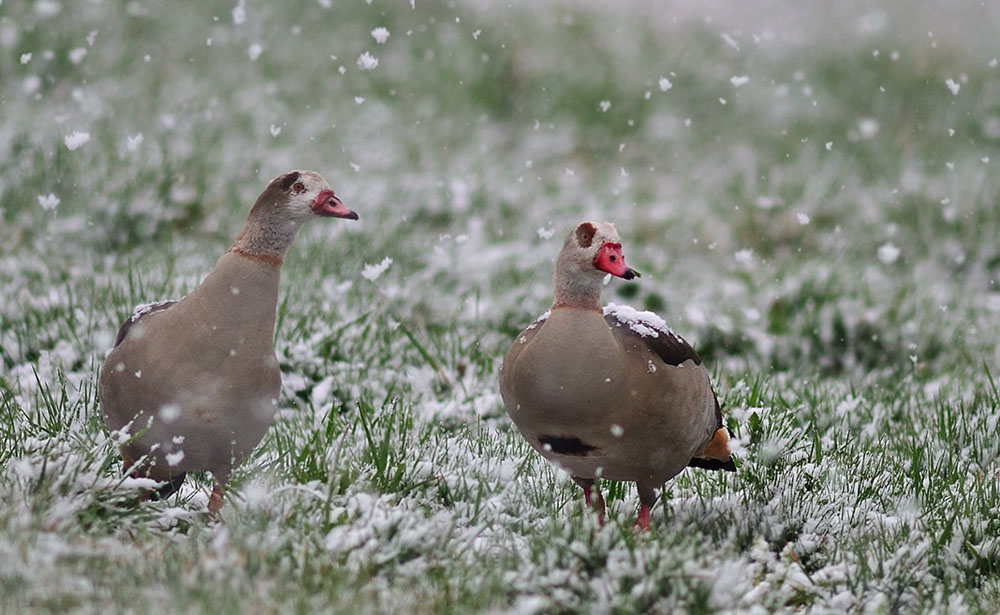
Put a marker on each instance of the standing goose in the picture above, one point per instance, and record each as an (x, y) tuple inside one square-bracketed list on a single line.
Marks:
[(195, 383), (610, 393)]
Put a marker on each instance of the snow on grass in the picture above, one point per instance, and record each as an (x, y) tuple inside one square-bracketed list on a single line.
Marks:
[(862, 395)]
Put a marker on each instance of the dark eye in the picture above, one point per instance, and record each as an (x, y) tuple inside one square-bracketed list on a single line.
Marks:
[(298, 187), (613, 258)]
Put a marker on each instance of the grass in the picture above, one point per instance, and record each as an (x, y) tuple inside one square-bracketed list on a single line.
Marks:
[(826, 234)]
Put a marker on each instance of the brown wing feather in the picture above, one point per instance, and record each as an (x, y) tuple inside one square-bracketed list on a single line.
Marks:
[(138, 315), (667, 345)]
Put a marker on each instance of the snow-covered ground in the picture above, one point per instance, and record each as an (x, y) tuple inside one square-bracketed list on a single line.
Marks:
[(811, 193)]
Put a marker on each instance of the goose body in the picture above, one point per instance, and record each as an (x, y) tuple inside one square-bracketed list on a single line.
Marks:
[(610, 392), (195, 383)]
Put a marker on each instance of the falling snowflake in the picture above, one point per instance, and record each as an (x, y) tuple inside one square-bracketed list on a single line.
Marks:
[(739, 80), (665, 84), (802, 218), (76, 139), (868, 127), (744, 257), (254, 51), (25, 58), (367, 61), (605, 105), (169, 413), (953, 86), (240, 13), (888, 253), (76, 55), (730, 41), (381, 35), (133, 143), (372, 272), (48, 201)]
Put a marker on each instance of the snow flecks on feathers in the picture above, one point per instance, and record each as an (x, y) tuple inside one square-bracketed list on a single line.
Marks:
[(646, 324), (539, 320), (145, 308)]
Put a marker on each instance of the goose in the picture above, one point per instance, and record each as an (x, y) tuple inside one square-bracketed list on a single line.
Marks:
[(610, 392), (194, 384)]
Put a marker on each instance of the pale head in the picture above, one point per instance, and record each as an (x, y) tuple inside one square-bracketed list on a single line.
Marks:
[(287, 202), (591, 251), (596, 249), (301, 194)]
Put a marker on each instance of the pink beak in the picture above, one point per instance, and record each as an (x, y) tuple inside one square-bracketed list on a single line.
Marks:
[(328, 205), (611, 260)]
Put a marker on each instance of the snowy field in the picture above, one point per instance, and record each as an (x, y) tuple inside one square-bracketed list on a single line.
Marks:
[(812, 194)]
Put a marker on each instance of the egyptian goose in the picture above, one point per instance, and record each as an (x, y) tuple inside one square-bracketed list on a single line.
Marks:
[(194, 383), (610, 393)]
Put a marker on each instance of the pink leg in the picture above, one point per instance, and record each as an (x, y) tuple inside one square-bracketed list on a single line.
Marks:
[(647, 497), (215, 502), (642, 521)]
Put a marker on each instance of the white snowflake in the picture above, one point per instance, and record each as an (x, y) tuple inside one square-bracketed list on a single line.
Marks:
[(240, 13), (76, 139), (133, 143), (48, 201), (169, 412), (381, 35), (367, 61), (665, 84), (372, 272), (739, 80), (868, 127), (953, 86), (888, 253), (254, 51)]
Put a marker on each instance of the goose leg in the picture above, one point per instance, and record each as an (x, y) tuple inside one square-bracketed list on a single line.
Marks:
[(647, 497), (592, 496)]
